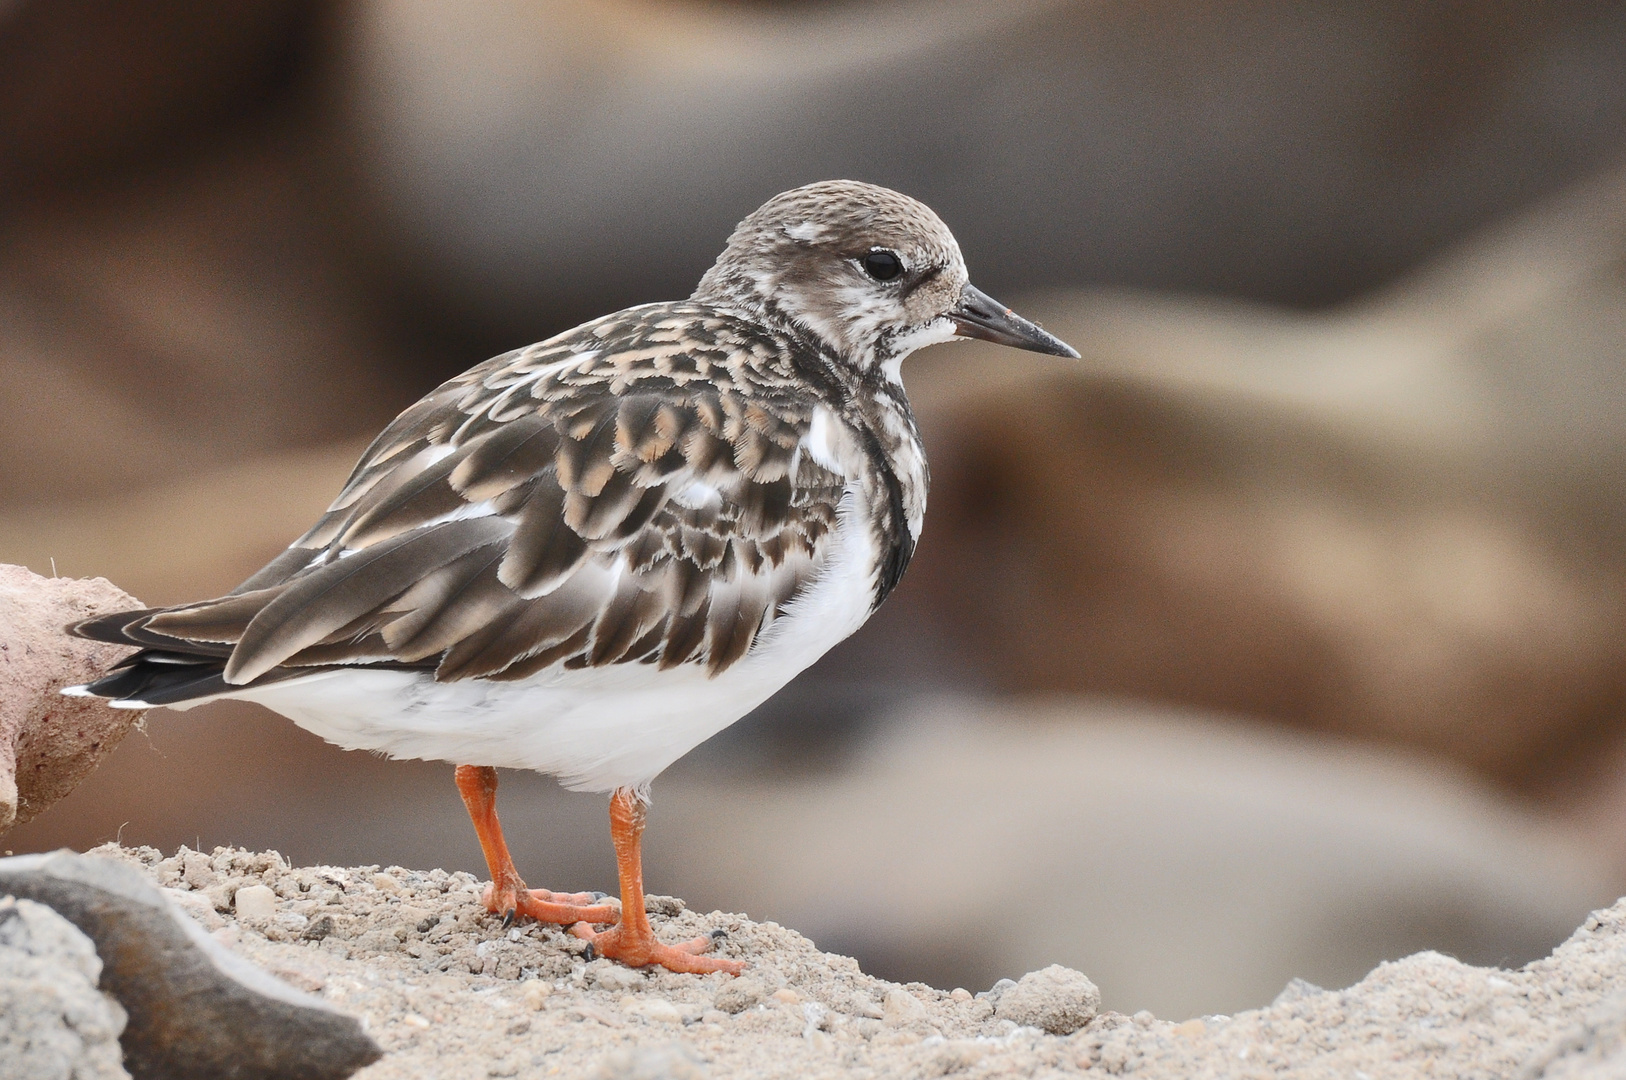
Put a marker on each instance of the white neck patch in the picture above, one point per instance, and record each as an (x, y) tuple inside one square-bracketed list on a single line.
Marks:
[(936, 332)]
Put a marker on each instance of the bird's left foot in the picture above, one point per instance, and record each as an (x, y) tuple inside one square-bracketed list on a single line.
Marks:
[(513, 901), (640, 949)]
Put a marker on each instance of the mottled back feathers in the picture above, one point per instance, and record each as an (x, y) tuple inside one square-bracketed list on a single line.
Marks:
[(641, 489)]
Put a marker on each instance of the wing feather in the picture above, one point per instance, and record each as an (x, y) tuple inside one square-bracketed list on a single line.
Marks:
[(511, 456), (343, 589), (449, 605), (567, 505), (543, 551)]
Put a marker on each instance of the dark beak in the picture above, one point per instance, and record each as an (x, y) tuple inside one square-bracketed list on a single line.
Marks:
[(979, 315)]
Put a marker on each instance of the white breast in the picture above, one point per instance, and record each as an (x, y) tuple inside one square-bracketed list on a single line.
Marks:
[(598, 728)]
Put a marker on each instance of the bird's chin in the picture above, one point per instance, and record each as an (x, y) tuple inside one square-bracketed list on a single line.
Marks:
[(939, 330)]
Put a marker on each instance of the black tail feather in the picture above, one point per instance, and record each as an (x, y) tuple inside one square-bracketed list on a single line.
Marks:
[(130, 628), (158, 681)]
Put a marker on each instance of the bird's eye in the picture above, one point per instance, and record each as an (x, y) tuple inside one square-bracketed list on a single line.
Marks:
[(882, 265)]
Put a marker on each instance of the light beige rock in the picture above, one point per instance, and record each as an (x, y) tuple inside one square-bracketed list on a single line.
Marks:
[(1056, 999), (48, 743), (901, 1007), (255, 902)]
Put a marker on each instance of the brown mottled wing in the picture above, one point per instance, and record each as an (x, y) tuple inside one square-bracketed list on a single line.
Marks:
[(635, 491)]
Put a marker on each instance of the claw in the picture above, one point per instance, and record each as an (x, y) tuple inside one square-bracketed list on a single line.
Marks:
[(508, 917)]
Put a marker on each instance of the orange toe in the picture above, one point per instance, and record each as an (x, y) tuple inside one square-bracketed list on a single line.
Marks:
[(573, 897), (641, 949), (515, 901)]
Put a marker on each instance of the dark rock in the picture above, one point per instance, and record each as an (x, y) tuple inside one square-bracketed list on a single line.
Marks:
[(196, 1010), (320, 929)]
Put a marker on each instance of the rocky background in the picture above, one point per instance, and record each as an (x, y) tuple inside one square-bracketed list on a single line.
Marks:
[(1279, 637)]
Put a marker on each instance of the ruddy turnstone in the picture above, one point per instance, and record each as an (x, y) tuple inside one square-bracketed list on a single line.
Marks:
[(586, 556)]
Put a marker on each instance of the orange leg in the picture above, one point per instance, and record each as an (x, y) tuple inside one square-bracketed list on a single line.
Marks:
[(507, 895), (632, 941)]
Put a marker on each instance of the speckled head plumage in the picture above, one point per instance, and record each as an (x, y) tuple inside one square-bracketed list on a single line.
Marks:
[(872, 273)]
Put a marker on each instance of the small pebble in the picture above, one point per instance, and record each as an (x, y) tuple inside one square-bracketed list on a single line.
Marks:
[(785, 995), (668, 906), (654, 1008), (961, 994), (1144, 1018), (386, 883), (740, 994), (902, 1007), (255, 902), (996, 991), (411, 915), (535, 994), (609, 975), (319, 929), (196, 870)]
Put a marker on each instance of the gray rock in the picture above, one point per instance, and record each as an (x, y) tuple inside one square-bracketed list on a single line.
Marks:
[(1055, 999), (54, 1023), (997, 991), (1297, 989), (196, 1010)]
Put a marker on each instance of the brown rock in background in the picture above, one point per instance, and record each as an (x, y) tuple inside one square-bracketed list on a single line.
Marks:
[(1396, 520), (48, 743)]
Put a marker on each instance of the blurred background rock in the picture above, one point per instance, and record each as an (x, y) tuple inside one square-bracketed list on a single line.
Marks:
[(1280, 636)]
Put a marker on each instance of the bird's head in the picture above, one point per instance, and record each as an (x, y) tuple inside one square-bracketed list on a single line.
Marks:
[(874, 274)]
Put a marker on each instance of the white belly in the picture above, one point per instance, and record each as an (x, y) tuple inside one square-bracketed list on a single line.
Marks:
[(595, 728)]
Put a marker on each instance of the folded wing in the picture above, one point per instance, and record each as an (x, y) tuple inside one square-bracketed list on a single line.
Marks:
[(532, 513)]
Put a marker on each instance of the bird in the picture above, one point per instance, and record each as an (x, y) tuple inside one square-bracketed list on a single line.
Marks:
[(586, 556)]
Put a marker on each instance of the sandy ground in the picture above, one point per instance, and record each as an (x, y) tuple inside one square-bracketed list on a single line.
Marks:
[(449, 993)]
